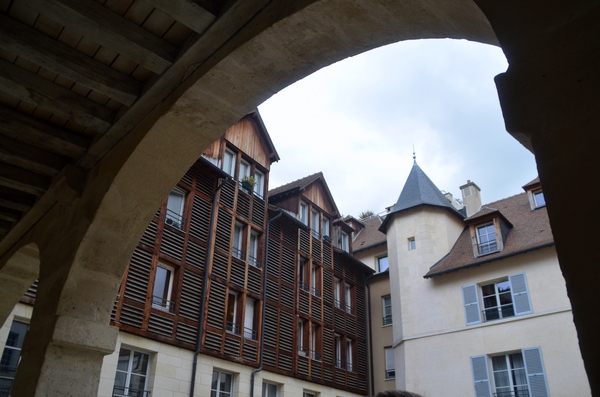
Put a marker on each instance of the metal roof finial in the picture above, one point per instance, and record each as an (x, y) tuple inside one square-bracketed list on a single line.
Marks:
[(414, 155)]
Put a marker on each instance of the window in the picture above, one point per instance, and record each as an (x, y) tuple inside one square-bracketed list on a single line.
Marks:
[(309, 394), (229, 162), (325, 227), (132, 374), (163, 287), (348, 297), (302, 276), (270, 389), (337, 292), (386, 303), (315, 342), (315, 224), (302, 333), (505, 298), (538, 198), (515, 374), (316, 281), (486, 239), (390, 365), (338, 351), (304, 213), (244, 169), (232, 316), (222, 384), (259, 188), (11, 356), (253, 250), (174, 216), (350, 355), (238, 237), (250, 319), (382, 263), (344, 241), (412, 244)]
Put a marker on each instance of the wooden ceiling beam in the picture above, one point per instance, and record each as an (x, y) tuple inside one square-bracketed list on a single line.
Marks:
[(26, 42), (29, 158), (23, 180), (41, 135), (38, 91), (15, 200), (188, 12), (109, 29), (9, 216)]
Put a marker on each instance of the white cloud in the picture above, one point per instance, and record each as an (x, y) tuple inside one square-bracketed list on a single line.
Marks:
[(357, 121)]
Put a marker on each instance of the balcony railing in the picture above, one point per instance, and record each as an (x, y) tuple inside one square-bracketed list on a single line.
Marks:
[(495, 313), (387, 320), (233, 328), (174, 219), (237, 253), (315, 355), (250, 333), (304, 286), (316, 292), (253, 261), (349, 309), (337, 303), (120, 391), (316, 234), (163, 304), (350, 367), (340, 364), (519, 391)]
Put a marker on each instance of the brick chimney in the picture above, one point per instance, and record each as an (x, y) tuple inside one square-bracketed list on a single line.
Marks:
[(471, 197)]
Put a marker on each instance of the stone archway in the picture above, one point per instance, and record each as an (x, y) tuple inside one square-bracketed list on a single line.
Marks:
[(115, 200)]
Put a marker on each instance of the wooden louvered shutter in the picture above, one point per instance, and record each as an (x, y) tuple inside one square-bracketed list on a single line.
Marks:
[(520, 294), (481, 379), (471, 301), (536, 377)]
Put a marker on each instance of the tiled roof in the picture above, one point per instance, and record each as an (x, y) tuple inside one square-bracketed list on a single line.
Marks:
[(298, 184), (530, 231), (369, 236)]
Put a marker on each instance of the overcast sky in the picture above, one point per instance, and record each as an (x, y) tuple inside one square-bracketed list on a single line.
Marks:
[(357, 122)]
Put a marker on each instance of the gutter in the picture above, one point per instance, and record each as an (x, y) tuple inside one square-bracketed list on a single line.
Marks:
[(370, 370), (538, 247), (211, 232), (264, 306)]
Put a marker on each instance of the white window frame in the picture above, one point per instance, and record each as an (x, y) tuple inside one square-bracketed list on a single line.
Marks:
[(215, 386), (380, 260), (412, 244), (344, 241), (231, 324), (488, 246), (301, 348), (390, 363), (253, 249), (325, 228), (536, 195), (314, 224), (303, 212), (386, 305), (229, 159), (238, 241), (266, 389), (259, 188), (473, 298), (348, 298), (350, 355), (249, 317), (339, 363), (129, 372), (337, 292), (244, 169), (174, 212), (162, 302)]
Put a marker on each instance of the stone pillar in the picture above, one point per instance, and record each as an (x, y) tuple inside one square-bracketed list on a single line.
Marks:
[(551, 103)]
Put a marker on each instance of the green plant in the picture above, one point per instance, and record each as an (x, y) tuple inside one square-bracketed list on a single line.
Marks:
[(249, 179)]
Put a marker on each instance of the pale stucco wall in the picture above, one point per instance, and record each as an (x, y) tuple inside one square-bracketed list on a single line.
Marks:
[(434, 344)]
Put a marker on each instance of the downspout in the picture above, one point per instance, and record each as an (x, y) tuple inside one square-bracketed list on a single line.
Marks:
[(204, 286), (370, 380), (264, 307)]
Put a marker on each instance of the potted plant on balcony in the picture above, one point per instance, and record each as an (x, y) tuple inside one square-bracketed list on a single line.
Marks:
[(248, 183)]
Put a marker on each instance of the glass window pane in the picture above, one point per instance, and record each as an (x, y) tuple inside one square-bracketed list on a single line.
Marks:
[(140, 363), (504, 286), (225, 382), (123, 363)]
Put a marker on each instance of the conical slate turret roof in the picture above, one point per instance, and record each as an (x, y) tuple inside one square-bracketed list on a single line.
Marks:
[(418, 190)]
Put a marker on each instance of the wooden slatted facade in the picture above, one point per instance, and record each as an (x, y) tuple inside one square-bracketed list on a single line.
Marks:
[(192, 246)]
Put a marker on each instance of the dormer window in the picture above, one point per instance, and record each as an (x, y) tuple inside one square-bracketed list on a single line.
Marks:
[(538, 198), (486, 239)]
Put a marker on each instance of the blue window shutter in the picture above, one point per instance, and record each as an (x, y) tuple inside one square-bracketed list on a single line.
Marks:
[(520, 294), (471, 301), (536, 377), (481, 379)]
